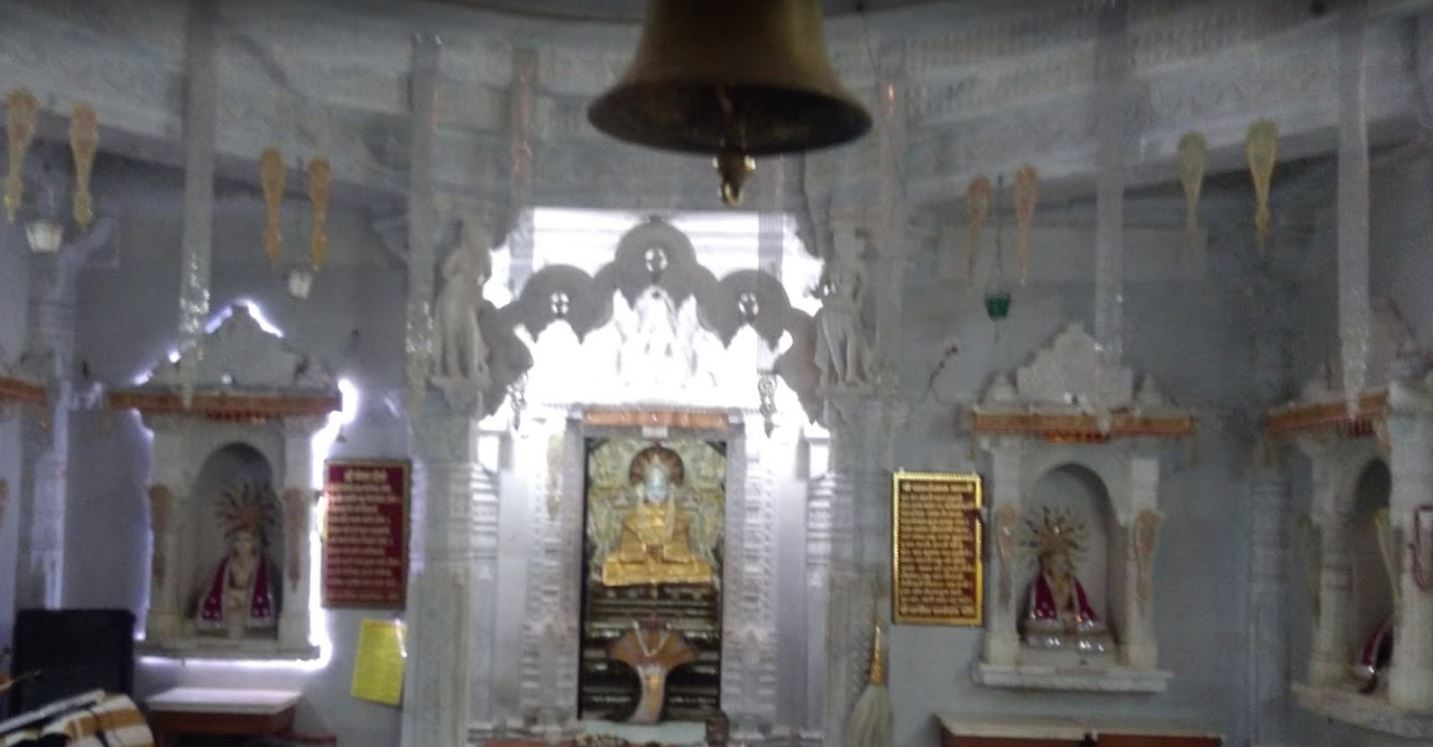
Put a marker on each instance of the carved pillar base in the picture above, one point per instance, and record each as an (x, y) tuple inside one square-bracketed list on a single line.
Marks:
[(437, 693), (435, 712)]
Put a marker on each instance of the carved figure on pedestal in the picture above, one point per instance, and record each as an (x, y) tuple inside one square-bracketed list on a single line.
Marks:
[(652, 650), (462, 354), (654, 544), (843, 355), (657, 350), (240, 599), (1059, 615)]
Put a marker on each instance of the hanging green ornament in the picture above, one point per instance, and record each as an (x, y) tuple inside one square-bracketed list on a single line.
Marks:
[(997, 291), (997, 304)]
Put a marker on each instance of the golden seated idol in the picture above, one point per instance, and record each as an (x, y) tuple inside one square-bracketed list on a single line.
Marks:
[(655, 543)]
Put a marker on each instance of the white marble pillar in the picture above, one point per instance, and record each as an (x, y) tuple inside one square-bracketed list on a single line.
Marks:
[(822, 487), (1410, 434), (169, 497), (297, 499), (551, 645), (749, 594), (1112, 62), (201, 107), (1330, 652), (1001, 645), (484, 515), (853, 583), (448, 475), (1135, 606)]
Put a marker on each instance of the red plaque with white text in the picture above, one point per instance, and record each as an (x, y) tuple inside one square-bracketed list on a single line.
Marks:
[(365, 538)]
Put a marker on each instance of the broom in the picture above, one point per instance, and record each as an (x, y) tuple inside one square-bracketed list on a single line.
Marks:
[(873, 722)]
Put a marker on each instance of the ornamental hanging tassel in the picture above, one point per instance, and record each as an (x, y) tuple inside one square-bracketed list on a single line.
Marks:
[(320, 186), (84, 142), (1193, 156), (21, 112), (1261, 148), (1027, 192), (271, 178), (977, 202)]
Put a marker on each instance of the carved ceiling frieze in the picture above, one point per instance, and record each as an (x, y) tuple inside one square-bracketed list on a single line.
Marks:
[(987, 87)]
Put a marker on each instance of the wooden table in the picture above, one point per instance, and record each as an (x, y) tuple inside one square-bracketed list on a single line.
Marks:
[(204, 711), (1029, 731)]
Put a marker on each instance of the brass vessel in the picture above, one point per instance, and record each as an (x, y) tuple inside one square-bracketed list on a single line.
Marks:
[(736, 79)]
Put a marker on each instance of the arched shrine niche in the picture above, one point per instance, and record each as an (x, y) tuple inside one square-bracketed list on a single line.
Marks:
[(1066, 537), (236, 533), (1369, 663), (1372, 562), (231, 495), (1076, 452)]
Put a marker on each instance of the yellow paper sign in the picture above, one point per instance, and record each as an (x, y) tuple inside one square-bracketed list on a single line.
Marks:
[(378, 666)]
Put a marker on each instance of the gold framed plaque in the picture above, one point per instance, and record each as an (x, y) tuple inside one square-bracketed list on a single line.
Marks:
[(937, 554)]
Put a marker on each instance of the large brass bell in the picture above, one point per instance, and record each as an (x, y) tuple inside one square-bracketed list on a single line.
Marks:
[(733, 78)]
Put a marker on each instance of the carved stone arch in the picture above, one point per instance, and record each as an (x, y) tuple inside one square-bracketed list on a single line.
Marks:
[(629, 272), (587, 308), (729, 313), (1099, 465)]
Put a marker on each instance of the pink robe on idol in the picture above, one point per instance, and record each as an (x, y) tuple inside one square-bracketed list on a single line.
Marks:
[(1072, 625), (261, 599)]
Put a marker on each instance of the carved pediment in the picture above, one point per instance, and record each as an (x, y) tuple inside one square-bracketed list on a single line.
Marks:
[(1071, 371), (240, 355), (1393, 354)]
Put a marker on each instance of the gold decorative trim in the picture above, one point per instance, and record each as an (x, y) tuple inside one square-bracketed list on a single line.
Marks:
[(1080, 428), (320, 187), (271, 178), (974, 488), (84, 142), (22, 111), (689, 419), (226, 407), (1288, 421), (24, 392)]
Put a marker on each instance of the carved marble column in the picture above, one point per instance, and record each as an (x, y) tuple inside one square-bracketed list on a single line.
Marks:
[(169, 498), (484, 515), (448, 475), (854, 580), (1268, 669), (1330, 652), (551, 645), (822, 487), (1002, 607), (1139, 535), (1410, 434), (297, 498), (49, 354), (749, 597)]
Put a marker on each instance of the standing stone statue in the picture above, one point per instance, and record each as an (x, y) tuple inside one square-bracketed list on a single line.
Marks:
[(843, 356), (462, 355)]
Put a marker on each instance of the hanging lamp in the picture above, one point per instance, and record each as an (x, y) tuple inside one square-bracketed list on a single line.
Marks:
[(736, 79)]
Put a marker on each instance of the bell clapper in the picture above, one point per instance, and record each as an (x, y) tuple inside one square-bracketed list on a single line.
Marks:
[(733, 167)]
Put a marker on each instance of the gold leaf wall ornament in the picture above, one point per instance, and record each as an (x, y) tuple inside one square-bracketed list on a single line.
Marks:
[(84, 142), (1146, 535), (271, 178), (977, 203), (1261, 148), (320, 187), (1193, 158), (21, 113), (1027, 193)]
